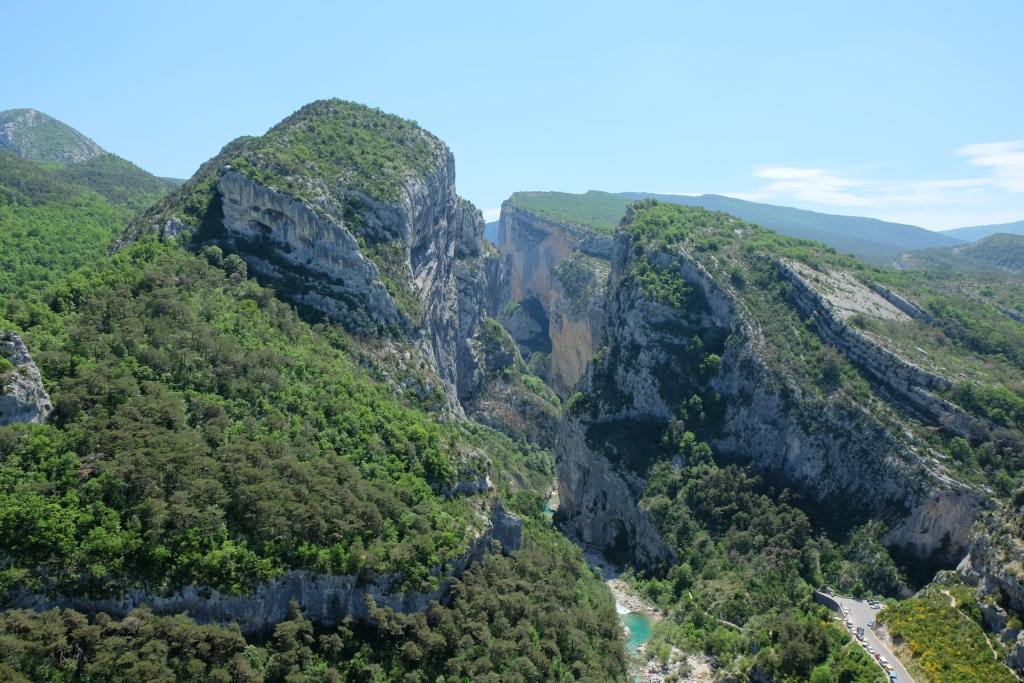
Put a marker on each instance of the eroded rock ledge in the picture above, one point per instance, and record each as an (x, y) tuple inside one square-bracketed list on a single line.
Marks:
[(831, 449), (908, 384), (325, 598)]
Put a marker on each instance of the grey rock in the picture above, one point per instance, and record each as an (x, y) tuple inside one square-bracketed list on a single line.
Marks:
[(598, 501), (907, 384), (31, 134), (832, 450), (313, 260), (324, 598), (23, 397), (901, 302)]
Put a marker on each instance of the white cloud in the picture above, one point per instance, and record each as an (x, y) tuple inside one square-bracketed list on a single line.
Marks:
[(940, 203), (808, 184), (1005, 161), (492, 214)]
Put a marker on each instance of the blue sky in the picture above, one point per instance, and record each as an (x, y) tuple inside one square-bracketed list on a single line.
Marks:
[(908, 111)]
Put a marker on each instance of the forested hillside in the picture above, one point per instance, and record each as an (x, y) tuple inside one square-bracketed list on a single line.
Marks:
[(49, 225), (208, 443)]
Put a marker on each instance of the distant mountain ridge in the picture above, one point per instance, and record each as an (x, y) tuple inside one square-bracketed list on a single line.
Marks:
[(869, 238), (997, 252), (874, 240), (977, 232), (31, 134)]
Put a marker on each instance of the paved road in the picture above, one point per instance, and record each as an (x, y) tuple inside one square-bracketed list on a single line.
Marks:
[(861, 613)]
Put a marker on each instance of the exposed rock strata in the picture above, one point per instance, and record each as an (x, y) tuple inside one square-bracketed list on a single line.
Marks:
[(325, 598), (23, 397), (313, 260), (902, 303), (832, 450), (533, 248), (414, 269), (908, 384)]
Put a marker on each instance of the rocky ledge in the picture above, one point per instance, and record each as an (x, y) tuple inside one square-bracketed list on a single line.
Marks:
[(907, 384), (324, 598)]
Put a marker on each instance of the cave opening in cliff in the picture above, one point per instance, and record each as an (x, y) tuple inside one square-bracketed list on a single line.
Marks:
[(529, 327), (616, 543)]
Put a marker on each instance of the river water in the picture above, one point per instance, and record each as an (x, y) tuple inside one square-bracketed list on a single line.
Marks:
[(639, 624)]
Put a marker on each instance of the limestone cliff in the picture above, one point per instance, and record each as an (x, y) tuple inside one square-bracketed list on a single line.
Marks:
[(994, 564), (325, 599), (564, 306), (506, 396), (683, 342), (390, 251), (22, 395)]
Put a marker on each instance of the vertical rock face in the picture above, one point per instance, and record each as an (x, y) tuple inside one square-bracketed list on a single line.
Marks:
[(598, 499), (351, 214), (327, 257), (312, 258), (22, 395), (533, 249), (832, 450)]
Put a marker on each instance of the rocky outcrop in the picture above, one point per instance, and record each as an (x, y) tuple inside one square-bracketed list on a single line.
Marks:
[(599, 500), (430, 242), (902, 303), (23, 397), (533, 249), (324, 598), (311, 258), (412, 270), (994, 564), (506, 397), (31, 134), (831, 449), (906, 383)]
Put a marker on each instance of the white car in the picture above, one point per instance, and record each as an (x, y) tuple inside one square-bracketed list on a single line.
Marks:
[(871, 649)]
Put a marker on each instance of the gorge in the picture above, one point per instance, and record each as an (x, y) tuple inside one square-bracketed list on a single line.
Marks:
[(304, 394)]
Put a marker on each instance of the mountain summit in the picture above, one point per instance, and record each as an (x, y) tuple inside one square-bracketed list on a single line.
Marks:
[(31, 134)]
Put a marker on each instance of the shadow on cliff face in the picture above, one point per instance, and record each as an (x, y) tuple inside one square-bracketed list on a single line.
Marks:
[(839, 517), (617, 545), (528, 323)]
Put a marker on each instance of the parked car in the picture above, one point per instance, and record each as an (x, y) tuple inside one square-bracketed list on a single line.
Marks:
[(892, 678), (871, 624)]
